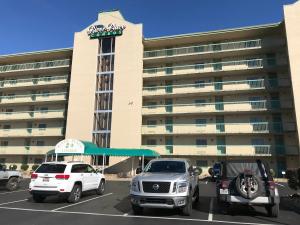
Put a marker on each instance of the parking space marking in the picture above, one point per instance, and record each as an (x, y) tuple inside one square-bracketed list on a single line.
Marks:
[(211, 205), (6, 203), (81, 202), (9, 192), (280, 184), (133, 216)]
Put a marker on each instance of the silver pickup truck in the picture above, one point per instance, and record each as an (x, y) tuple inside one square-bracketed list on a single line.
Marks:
[(165, 183), (10, 179)]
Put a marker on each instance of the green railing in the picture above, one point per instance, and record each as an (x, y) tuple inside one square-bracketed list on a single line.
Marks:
[(256, 83), (31, 113), (198, 49), (31, 130), (34, 65), (198, 68), (32, 80), (33, 96)]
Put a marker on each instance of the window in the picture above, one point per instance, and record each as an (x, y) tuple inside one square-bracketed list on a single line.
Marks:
[(90, 169), (199, 66), (151, 123), (9, 111), (11, 96), (151, 142), (38, 161), (6, 126), (201, 163), (200, 102), (151, 105), (257, 141), (51, 168), (199, 83), (151, 87), (4, 143), (44, 109), (46, 93), (201, 142), (47, 78), (40, 143), (201, 122), (79, 168), (42, 126)]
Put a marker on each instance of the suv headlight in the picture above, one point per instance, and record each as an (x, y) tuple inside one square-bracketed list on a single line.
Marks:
[(182, 187), (135, 186)]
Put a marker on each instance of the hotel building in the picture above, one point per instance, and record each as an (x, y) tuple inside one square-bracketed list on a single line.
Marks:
[(209, 96)]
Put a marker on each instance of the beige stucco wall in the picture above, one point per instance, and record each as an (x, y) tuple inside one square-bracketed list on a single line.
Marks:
[(292, 21)]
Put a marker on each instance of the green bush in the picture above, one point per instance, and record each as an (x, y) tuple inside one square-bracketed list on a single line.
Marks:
[(13, 167), (24, 167), (34, 167), (293, 178)]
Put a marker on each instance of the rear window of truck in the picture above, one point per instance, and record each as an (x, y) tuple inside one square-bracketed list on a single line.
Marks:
[(51, 168)]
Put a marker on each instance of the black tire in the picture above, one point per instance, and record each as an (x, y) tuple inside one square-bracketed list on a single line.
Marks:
[(187, 209), (196, 195), (75, 194), (101, 188), (38, 198), (273, 210), (241, 186), (137, 210), (12, 184)]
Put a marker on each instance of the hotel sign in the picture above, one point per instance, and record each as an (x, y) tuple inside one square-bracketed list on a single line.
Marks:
[(69, 146), (99, 31)]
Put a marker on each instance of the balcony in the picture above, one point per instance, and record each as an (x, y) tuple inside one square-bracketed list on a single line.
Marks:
[(219, 128), (35, 66), (204, 68), (32, 132), (32, 115), (203, 49), (216, 107), (32, 98), (31, 82), (222, 150), (25, 150)]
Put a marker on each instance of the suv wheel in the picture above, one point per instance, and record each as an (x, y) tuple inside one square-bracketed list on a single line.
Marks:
[(101, 188), (273, 210), (248, 186), (187, 209), (137, 210), (75, 194), (12, 184), (38, 198)]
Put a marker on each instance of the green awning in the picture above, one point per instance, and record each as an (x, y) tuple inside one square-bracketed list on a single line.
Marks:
[(92, 149)]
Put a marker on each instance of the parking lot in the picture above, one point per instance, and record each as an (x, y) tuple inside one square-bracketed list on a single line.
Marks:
[(114, 208)]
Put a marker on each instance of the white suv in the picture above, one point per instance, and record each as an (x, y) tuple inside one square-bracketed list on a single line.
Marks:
[(68, 179)]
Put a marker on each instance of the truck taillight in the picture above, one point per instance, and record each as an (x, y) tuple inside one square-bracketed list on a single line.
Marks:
[(34, 176), (224, 184), (62, 176), (272, 185)]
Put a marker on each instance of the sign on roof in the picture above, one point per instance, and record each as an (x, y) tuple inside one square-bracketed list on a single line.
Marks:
[(69, 146), (99, 31)]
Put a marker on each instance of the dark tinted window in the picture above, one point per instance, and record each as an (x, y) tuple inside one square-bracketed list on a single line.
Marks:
[(166, 167), (79, 168), (51, 168)]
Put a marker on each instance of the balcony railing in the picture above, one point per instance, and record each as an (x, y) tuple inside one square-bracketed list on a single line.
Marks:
[(25, 150), (34, 65), (224, 150), (218, 128), (32, 132), (205, 67), (238, 106), (60, 96), (39, 114), (34, 81), (202, 49)]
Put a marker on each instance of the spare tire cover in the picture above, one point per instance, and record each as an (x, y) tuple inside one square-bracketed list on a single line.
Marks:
[(248, 186)]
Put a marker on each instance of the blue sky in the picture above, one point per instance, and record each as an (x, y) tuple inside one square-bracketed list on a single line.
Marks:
[(31, 25)]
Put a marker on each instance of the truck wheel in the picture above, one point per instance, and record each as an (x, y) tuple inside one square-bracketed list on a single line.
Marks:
[(137, 210), (273, 210), (248, 186), (12, 184), (101, 188), (38, 198), (75, 194), (187, 209)]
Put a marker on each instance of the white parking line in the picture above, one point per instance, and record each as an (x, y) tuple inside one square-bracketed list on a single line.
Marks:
[(9, 192), (5, 203), (280, 184), (81, 202), (132, 216), (210, 214)]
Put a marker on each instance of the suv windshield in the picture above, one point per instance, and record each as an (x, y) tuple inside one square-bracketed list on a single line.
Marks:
[(51, 168), (166, 167)]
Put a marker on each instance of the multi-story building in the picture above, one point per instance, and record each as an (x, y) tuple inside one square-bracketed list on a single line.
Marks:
[(208, 96)]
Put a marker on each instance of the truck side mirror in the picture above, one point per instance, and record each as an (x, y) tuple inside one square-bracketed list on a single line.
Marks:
[(138, 170)]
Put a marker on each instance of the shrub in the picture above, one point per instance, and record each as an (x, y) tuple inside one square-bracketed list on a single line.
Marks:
[(13, 167), (34, 167), (24, 167), (293, 178)]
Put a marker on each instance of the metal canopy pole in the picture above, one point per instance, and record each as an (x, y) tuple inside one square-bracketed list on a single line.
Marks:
[(46, 157), (52, 158), (143, 162), (132, 161), (56, 157), (103, 164)]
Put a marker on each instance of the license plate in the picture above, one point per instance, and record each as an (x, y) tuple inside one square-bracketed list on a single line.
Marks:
[(45, 179), (224, 191)]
